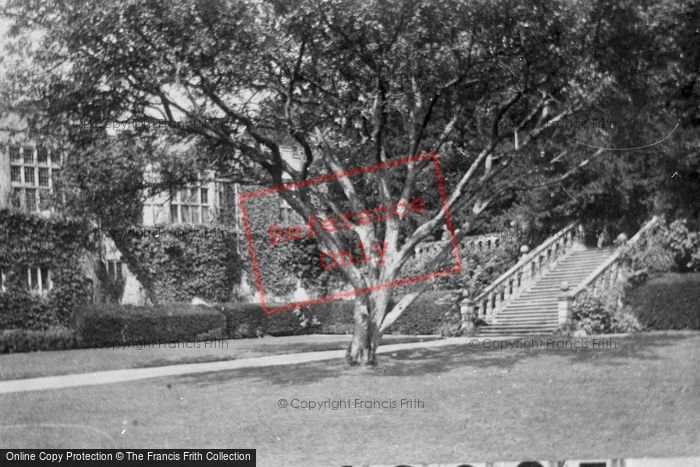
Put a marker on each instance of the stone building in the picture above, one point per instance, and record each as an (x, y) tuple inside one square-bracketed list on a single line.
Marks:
[(28, 176)]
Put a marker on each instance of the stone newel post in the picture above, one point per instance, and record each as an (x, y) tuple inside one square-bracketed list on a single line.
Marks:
[(564, 303), (467, 307)]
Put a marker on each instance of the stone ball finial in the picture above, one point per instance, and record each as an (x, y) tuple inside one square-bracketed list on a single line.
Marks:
[(524, 249), (621, 239)]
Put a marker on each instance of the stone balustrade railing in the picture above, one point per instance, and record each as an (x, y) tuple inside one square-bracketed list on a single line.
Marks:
[(604, 277), (486, 241), (509, 285)]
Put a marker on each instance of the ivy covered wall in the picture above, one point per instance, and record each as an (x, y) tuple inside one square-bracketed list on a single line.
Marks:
[(282, 265), (52, 249), (179, 262)]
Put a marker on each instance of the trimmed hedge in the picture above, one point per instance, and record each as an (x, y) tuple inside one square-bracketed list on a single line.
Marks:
[(26, 340), (105, 325), (113, 325), (668, 301), (247, 320), (433, 312), (335, 317)]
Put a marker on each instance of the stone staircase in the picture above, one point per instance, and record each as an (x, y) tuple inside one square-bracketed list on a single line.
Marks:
[(535, 309)]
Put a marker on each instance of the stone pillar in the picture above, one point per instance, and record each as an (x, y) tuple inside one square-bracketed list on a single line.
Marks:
[(467, 308), (564, 304), (580, 237), (5, 184)]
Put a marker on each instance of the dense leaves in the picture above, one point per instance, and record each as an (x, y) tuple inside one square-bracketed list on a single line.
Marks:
[(502, 91), (178, 263), (59, 246)]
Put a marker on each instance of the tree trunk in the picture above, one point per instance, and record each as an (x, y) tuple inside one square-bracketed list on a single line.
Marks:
[(366, 335)]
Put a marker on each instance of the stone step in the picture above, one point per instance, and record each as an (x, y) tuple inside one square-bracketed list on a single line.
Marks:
[(555, 286), (525, 316), (558, 279), (557, 282), (561, 269), (553, 293), (588, 260), (504, 327), (520, 335), (530, 304), (530, 309), (576, 273), (544, 296), (517, 325), (506, 331), (527, 313), (535, 310), (526, 322), (527, 308), (572, 272)]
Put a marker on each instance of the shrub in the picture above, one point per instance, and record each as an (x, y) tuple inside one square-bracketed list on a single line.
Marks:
[(109, 325), (435, 312), (480, 267), (335, 317), (602, 313), (26, 340), (432, 313), (685, 245), (667, 248), (21, 310), (243, 320), (650, 253), (669, 301), (247, 320)]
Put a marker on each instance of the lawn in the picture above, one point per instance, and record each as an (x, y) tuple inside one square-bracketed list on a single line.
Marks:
[(668, 301), (638, 399), (33, 364)]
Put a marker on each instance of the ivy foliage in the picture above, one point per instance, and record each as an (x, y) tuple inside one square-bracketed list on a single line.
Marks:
[(669, 247), (480, 267), (603, 312), (57, 244), (177, 263), (666, 248)]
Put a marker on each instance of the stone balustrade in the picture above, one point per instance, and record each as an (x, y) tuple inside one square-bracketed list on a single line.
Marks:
[(481, 242), (604, 277), (517, 279)]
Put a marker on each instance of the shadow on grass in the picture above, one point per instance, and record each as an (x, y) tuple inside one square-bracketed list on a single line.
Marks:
[(281, 349), (431, 361)]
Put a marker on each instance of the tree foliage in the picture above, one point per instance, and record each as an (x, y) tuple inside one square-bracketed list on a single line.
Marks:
[(495, 88)]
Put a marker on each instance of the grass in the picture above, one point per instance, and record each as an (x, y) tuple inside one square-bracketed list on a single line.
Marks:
[(637, 399), (34, 364), (668, 301)]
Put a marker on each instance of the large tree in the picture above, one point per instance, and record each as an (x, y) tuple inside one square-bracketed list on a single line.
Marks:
[(487, 85)]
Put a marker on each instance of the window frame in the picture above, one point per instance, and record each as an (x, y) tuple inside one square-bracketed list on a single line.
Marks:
[(15, 153), (114, 269), (188, 199), (20, 165), (41, 289)]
